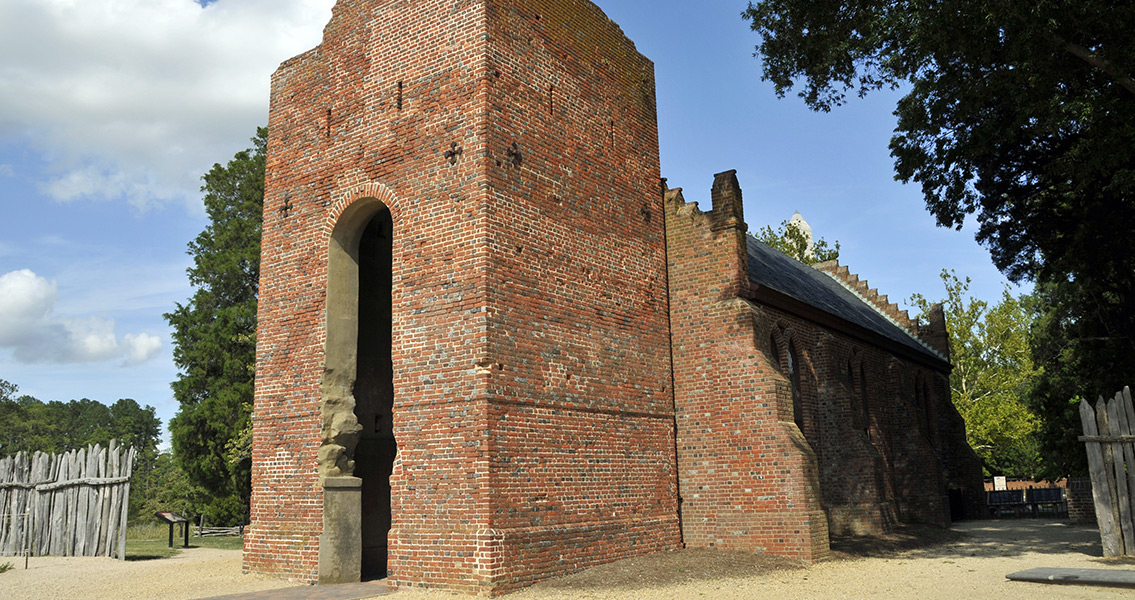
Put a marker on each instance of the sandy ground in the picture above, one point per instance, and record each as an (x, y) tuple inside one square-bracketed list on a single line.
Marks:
[(970, 564), (194, 573)]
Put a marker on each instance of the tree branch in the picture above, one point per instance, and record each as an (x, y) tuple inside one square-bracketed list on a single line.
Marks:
[(1098, 62)]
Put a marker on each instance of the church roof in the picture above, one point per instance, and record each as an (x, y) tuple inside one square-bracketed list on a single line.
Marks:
[(772, 269)]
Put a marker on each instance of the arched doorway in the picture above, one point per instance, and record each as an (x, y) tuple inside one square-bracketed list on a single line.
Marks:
[(359, 378), (374, 391)]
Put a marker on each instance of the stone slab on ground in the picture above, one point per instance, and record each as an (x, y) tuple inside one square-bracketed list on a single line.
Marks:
[(337, 591), (1076, 576)]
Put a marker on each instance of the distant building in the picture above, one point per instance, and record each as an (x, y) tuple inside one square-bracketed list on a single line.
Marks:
[(800, 224)]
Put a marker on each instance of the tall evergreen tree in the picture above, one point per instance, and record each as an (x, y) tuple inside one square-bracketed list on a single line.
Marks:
[(214, 336)]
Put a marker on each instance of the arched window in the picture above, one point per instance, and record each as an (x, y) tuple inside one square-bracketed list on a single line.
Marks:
[(927, 421), (863, 401), (774, 352), (358, 377), (851, 389), (794, 377)]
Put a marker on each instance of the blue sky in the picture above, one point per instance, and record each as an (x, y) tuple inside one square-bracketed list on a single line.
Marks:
[(110, 111)]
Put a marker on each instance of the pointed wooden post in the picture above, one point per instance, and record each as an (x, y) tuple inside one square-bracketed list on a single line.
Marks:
[(1116, 417), (1105, 515)]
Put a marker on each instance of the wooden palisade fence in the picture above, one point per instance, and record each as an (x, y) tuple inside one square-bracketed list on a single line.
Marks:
[(71, 504), (1109, 431)]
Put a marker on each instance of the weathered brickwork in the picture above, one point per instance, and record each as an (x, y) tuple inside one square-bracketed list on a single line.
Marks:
[(1081, 505), (870, 437), (492, 351), (748, 478), (532, 401)]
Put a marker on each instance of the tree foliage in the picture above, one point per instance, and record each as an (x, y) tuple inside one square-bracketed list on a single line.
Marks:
[(214, 336), (165, 488), (789, 239), (31, 425), (992, 375), (1018, 113), (1082, 355)]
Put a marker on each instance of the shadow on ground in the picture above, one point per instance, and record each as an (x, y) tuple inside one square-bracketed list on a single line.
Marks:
[(905, 538), (989, 538), (668, 568), (1004, 537)]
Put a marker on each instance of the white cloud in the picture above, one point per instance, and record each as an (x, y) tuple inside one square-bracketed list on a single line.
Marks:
[(134, 99), (7, 171), (34, 334), (142, 347)]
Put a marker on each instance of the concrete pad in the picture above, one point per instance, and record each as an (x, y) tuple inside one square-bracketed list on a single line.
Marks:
[(1112, 577)]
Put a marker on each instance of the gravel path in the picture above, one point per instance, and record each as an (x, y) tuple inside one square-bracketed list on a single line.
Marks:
[(194, 573), (970, 565)]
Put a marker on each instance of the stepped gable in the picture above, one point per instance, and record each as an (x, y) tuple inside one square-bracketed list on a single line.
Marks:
[(861, 287), (832, 289)]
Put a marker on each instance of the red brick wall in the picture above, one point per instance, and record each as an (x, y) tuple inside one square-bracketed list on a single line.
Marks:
[(745, 465), (533, 402), (1081, 505), (536, 317), (581, 391), (749, 479)]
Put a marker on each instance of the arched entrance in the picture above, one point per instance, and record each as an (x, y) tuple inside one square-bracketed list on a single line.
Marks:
[(374, 391), (357, 455)]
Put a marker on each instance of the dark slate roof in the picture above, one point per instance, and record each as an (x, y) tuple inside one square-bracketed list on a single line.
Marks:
[(773, 269)]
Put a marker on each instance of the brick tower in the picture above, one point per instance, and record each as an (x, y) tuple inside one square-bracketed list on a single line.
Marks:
[(463, 368)]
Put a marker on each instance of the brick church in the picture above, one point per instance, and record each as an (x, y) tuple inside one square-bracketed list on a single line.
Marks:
[(494, 347)]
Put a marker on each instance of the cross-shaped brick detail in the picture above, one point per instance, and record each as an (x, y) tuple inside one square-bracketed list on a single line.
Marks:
[(453, 153), (514, 154)]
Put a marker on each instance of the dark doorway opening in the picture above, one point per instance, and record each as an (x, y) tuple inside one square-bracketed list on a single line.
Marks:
[(957, 505), (374, 391)]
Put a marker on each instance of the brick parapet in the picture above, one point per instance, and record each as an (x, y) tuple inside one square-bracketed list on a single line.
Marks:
[(871, 295), (926, 335)]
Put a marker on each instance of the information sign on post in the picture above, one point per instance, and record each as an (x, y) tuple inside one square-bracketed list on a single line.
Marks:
[(171, 518)]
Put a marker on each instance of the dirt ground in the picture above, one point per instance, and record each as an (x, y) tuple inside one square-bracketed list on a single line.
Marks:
[(968, 561)]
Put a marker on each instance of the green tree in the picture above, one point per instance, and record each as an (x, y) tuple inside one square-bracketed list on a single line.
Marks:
[(30, 425), (992, 375), (1018, 113), (789, 239), (164, 488), (1082, 356), (214, 336)]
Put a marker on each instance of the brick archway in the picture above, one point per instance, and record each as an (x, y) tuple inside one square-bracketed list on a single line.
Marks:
[(357, 388)]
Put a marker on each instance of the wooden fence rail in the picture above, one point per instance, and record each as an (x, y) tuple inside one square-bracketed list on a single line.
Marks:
[(1109, 432), (71, 504), (218, 531)]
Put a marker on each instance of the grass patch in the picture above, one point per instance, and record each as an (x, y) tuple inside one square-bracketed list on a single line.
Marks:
[(5, 567), (151, 542)]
